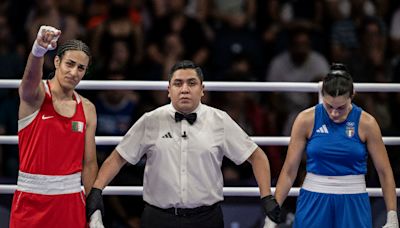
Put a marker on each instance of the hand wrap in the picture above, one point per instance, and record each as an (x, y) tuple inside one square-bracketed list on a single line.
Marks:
[(95, 220), (37, 49), (391, 220)]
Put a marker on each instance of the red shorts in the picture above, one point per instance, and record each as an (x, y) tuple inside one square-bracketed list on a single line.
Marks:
[(37, 210)]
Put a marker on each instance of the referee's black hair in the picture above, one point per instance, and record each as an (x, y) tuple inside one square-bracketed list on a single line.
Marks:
[(338, 81), (186, 64)]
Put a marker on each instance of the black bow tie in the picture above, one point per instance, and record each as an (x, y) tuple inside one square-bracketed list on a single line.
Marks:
[(189, 117)]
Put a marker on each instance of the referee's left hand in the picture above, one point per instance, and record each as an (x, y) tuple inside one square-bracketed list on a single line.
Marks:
[(94, 202), (271, 208)]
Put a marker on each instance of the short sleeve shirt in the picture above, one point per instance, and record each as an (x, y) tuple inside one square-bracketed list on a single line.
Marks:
[(184, 171)]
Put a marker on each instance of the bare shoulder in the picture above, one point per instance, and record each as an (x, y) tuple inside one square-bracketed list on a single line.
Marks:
[(89, 109), (30, 102), (367, 119), (306, 117), (87, 104), (304, 123), (368, 127)]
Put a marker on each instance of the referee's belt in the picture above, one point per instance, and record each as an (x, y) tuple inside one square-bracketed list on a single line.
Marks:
[(185, 212)]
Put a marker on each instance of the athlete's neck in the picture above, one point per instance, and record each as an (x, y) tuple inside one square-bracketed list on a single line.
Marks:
[(60, 93)]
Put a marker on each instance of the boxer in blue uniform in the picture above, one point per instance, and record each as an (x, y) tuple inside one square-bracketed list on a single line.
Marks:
[(337, 137)]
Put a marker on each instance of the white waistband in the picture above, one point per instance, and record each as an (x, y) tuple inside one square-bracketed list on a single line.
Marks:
[(349, 184), (49, 184)]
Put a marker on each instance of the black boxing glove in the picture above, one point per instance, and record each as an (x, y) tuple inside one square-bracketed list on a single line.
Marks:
[(94, 202), (271, 208)]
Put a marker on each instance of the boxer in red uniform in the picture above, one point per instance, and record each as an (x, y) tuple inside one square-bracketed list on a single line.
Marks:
[(56, 130)]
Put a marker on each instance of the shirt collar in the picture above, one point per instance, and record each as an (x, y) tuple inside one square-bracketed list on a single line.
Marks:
[(172, 110)]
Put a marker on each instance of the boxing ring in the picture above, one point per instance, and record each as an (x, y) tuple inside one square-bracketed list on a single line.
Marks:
[(314, 87)]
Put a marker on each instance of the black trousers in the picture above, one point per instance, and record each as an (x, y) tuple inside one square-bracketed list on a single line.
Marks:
[(153, 217)]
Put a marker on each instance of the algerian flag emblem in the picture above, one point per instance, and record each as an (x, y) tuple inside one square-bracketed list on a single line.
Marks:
[(77, 126)]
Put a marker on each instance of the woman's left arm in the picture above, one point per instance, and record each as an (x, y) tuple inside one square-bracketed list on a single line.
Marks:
[(370, 133), (90, 168)]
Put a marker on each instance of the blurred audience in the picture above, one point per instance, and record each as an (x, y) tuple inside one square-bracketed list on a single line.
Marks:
[(173, 37), (117, 38), (299, 63)]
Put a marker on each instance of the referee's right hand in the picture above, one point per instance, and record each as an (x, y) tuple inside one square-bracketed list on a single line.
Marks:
[(94, 202)]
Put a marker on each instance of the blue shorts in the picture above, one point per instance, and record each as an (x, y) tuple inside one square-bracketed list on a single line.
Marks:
[(323, 210)]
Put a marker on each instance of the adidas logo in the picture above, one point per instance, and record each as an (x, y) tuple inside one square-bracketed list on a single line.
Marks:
[(168, 135), (323, 129)]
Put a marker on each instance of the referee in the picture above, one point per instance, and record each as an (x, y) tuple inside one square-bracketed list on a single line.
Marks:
[(184, 143)]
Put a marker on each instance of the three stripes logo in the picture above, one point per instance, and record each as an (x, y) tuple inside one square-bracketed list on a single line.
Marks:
[(168, 135), (323, 129)]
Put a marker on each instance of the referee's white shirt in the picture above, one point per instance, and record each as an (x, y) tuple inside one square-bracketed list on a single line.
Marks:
[(184, 172)]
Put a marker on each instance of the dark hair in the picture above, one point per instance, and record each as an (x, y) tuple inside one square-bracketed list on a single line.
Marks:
[(73, 45), (186, 64), (338, 81), (373, 20), (296, 31)]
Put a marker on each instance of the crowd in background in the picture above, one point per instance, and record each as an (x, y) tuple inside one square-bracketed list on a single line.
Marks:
[(232, 40)]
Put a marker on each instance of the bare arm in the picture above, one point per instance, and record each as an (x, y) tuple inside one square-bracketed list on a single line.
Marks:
[(260, 165), (300, 131), (371, 133), (94, 200), (89, 170), (31, 90), (109, 170)]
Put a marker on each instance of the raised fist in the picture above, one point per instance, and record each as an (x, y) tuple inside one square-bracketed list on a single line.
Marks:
[(46, 39)]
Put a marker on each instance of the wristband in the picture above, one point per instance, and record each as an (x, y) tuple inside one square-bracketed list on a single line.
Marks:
[(96, 220), (392, 217), (37, 50)]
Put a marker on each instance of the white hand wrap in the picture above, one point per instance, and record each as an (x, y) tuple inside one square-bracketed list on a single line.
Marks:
[(37, 49), (269, 223), (95, 220), (391, 220)]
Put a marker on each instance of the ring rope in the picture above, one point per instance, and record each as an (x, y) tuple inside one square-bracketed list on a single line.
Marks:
[(259, 140), (211, 86), (218, 86), (228, 191)]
